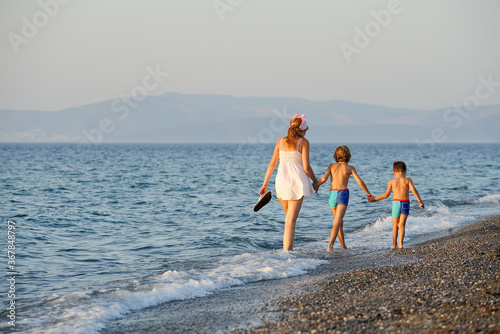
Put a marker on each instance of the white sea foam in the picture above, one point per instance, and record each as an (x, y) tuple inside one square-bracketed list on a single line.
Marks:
[(489, 199), (436, 218), (87, 312)]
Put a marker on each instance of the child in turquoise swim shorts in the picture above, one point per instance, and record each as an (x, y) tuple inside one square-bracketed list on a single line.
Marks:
[(339, 194), (400, 185)]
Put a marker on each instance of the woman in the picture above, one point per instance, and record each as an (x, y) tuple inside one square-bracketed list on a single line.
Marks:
[(294, 171)]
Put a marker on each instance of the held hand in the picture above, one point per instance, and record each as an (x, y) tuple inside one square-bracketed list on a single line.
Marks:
[(371, 199), (263, 190), (421, 205), (316, 187)]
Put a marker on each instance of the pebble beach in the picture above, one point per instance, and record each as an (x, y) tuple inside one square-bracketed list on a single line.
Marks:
[(451, 286)]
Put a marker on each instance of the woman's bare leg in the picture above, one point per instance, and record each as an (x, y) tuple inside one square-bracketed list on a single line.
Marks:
[(292, 209), (284, 204)]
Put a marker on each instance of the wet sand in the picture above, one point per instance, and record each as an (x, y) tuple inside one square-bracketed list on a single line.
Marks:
[(452, 285)]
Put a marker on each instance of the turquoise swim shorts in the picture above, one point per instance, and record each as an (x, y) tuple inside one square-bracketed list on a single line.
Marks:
[(338, 196), (400, 207)]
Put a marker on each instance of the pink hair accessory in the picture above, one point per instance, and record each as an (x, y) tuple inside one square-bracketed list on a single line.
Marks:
[(303, 124)]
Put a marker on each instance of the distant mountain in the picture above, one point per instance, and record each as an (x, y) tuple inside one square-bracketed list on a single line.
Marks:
[(179, 118)]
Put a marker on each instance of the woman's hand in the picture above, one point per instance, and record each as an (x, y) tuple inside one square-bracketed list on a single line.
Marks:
[(263, 190)]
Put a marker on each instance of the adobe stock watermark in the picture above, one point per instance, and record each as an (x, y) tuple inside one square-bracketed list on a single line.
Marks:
[(373, 28), (278, 125), (31, 27), (12, 272), (454, 117), (223, 6), (125, 104)]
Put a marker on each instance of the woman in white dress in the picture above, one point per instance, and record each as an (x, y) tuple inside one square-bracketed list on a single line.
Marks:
[(294, 172)]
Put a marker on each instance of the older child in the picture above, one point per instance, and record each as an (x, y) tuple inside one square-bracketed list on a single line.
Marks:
[(339, 194), (400, 185)]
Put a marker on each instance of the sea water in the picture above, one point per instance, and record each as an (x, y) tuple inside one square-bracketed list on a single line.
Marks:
[(103, 231)]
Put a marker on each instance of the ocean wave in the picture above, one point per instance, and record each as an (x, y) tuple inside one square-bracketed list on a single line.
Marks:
[(489, 199), (88, 311), (495, 199), (435, 218)]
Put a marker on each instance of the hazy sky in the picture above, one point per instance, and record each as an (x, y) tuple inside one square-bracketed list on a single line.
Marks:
[(426, 54)]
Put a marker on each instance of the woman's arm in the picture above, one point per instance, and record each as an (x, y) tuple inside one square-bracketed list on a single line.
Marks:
[(270, 168), (305, 160)]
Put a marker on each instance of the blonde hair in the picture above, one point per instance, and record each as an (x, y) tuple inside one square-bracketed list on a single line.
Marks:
[(294, 132), (342, 154)]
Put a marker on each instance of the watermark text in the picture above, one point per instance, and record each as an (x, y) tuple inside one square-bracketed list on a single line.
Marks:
[(223, 6), (373, 28), (11, 274), (31, 27), (125, 104), (455, 116)]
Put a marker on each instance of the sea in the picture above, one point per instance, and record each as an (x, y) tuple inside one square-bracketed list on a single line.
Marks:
[(102, 233)]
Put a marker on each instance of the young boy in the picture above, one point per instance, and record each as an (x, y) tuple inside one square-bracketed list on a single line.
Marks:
[(400, 185), (339, 194)]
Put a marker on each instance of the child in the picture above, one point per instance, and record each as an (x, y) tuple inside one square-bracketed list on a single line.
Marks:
[(339, 194), (400, 186)]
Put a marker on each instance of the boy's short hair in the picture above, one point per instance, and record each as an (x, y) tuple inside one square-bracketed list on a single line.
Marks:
[(342, 154), (399, 167)]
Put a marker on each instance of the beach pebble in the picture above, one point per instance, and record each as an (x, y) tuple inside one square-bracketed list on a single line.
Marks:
[(453, 287)]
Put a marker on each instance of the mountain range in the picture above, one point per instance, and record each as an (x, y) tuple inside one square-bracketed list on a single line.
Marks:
[(179, 118)]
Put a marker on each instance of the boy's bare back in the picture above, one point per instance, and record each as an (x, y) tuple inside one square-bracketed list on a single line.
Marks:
[(340, 173), (400, 187)]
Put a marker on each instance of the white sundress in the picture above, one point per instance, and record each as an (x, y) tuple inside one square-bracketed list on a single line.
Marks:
[(291, 181)]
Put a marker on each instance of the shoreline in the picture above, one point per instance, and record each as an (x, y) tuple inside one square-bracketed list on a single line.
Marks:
[(320, 300), (452, 286)]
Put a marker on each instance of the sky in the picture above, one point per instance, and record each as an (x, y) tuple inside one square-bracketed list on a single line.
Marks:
[(422, 54)]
